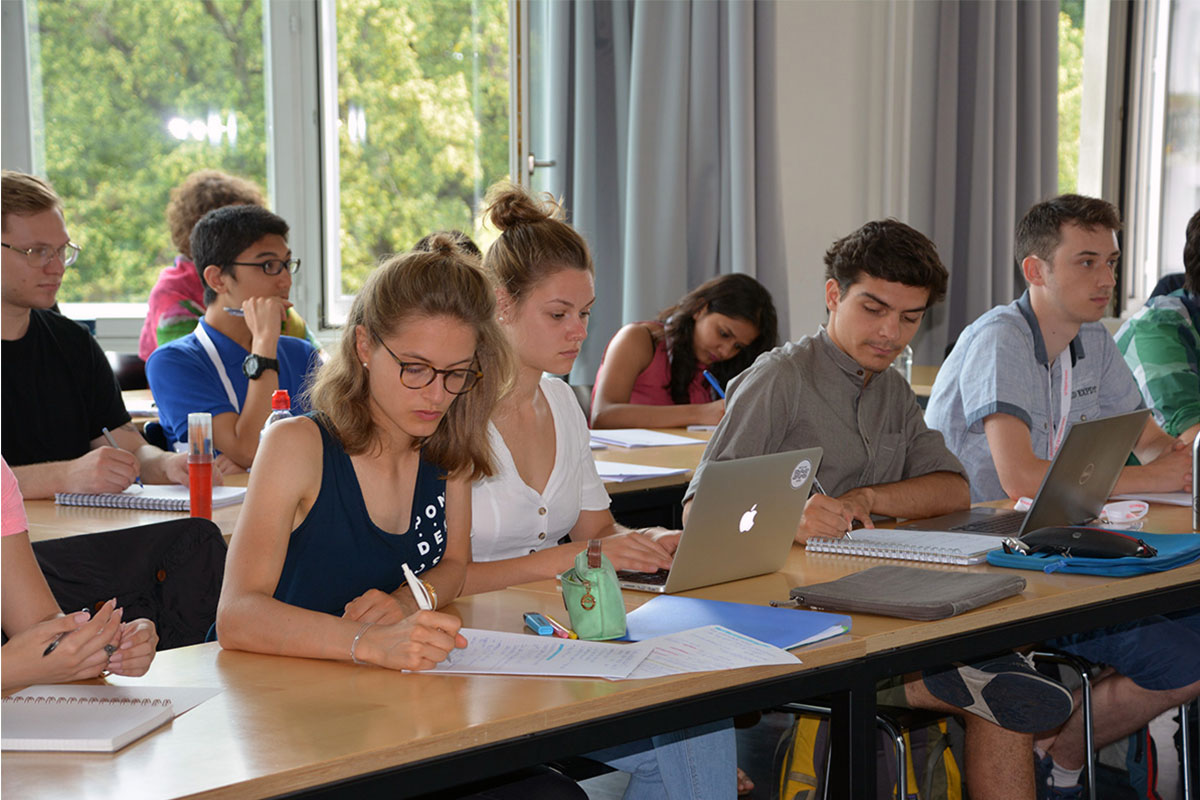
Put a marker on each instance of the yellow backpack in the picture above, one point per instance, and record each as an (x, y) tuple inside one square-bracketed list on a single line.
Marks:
[(933, 772)]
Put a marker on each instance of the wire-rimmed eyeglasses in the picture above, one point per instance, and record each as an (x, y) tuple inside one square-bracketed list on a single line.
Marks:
[(42, 255)]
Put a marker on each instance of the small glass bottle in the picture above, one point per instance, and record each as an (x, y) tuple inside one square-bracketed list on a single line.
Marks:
[(903, 363)]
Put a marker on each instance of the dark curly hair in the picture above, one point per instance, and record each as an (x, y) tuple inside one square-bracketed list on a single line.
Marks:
[(200, 193), (738, 296), (889, 250)]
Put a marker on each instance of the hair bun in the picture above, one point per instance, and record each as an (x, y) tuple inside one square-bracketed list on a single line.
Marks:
[(509, 206)]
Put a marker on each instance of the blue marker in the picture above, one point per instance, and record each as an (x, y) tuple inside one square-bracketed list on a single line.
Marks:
[(538, 624), (713, 381)]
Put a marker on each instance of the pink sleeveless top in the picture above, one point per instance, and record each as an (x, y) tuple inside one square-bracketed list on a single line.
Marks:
[(652, 385)]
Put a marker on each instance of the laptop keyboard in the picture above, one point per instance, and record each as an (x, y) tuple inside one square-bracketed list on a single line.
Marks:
[(1000, 523), (647, 578)]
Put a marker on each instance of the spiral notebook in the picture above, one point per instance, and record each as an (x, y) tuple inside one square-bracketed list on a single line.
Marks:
[(43, 720), (151, 497), (937, 547)]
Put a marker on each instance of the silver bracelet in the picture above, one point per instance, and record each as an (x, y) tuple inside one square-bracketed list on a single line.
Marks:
[(354, 644)]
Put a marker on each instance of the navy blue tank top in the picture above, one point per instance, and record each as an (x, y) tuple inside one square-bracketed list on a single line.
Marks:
[(337, 553)]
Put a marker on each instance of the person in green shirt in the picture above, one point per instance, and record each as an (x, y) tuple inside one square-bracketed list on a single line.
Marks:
[(1161, 345)]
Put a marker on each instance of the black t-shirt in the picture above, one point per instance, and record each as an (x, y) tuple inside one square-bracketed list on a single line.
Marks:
[(57, 390)]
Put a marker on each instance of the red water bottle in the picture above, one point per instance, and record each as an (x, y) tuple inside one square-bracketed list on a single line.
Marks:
[(200, 458)]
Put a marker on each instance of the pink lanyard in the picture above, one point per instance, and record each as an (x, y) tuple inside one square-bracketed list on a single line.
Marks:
[(1058, 433)]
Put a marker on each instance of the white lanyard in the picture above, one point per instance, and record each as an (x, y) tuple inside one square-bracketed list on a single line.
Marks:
[(1056, 435), (207, 343)]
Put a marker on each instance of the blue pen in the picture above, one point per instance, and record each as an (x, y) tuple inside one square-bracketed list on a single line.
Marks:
[(538, 624), (720, 392)]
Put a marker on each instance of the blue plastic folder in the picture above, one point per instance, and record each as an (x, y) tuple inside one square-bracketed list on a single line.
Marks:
[(783, 627), (1174, 550)]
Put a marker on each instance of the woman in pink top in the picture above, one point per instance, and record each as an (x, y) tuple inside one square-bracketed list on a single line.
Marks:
[(652, 373), (44, 646)]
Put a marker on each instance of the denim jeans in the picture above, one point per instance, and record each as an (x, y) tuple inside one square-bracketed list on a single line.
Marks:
[(694, 764)]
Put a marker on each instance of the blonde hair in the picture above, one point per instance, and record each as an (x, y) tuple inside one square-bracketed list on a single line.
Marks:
[(444, 281), (24, 195), (534, 241)]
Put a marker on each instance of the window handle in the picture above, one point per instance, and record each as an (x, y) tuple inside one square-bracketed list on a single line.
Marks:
[(533, 163)]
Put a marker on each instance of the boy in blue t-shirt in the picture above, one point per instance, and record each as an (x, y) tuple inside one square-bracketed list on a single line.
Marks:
[(236, 358)]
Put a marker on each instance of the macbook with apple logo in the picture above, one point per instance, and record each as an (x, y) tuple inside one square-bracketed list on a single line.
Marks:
[(742, 522)]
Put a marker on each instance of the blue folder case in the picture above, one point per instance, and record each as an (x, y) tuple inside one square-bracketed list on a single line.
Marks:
[(1174, 550), (782, 627)]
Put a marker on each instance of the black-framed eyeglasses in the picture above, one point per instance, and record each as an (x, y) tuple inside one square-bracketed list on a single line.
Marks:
[(417, 375), (42, 255), (272, 266)]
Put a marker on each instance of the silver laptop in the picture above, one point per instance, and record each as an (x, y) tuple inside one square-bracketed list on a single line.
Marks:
[(1075, 488), (742, 523)]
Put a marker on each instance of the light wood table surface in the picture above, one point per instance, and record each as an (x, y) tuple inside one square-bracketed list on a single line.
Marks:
[(48, 520), (922, 379), (1044, 594), (287, 724), (683, 456), (141, 406)]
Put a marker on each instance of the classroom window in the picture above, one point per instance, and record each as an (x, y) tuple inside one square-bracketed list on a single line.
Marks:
[(127, 99), (368, 122), (420, 118), (1070, 92), (1181, 134)]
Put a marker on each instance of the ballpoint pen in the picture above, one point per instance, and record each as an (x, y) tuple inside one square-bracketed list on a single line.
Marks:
[(113, 443), (417, 588), (713, 382), (821, 490)]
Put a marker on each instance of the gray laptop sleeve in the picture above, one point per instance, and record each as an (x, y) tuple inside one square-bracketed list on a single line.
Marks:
[(909, 592)]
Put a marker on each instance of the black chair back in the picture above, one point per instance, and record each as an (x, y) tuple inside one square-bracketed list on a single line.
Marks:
[(169, 572)]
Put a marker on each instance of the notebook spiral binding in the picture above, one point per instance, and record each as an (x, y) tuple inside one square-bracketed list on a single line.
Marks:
[(898, 550), (89, 701)]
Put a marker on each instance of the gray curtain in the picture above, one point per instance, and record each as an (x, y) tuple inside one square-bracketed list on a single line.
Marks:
[(996, 132), (660, 116)]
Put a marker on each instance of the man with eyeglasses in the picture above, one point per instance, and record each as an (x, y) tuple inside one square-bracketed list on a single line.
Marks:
[(59, 392), (236, 358)]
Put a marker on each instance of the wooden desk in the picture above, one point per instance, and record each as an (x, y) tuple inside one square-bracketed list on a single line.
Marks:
[(290, 725), (922, 380), (633, 500), (140, 405), (329, 729), (654, 501), (48, 520)]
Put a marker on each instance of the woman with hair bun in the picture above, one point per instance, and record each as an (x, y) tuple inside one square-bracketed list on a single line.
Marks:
[(545, 489), (652, 373)]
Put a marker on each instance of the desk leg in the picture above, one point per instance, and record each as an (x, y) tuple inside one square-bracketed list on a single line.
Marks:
[(852, 742)]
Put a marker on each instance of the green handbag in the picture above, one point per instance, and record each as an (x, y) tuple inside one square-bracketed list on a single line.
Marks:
[(593, 596)]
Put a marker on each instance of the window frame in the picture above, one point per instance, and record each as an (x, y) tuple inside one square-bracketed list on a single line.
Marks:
[(300, 59)]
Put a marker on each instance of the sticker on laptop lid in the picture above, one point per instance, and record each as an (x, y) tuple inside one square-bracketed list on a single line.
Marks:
[(800, 473)]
